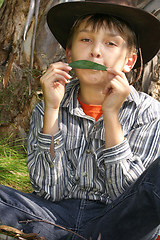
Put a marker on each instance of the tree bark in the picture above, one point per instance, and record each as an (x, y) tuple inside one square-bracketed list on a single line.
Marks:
[(19, 78)]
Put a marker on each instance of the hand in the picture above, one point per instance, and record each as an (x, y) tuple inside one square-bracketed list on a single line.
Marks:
[(116, 91), (53, 84)]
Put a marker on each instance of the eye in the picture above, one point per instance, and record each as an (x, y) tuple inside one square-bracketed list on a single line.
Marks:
[(111, 43), (85, 40)]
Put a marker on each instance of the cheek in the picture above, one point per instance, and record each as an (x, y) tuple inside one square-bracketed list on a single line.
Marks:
[(116, 60), (79, 54), (74, 54)]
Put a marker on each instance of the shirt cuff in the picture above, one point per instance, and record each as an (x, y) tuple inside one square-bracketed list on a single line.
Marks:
[(58, 140), (119, 152), (44, 141)]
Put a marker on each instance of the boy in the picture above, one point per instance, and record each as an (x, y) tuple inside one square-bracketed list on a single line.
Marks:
[(93, 142)]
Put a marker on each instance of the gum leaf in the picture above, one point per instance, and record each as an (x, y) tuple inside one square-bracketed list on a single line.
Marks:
[(85, 64)]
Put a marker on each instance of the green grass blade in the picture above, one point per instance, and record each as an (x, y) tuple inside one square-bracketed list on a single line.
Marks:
[(13, 167), (85, 64)]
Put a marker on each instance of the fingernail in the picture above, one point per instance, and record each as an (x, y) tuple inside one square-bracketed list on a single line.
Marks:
[(70, 68), (69, 76)]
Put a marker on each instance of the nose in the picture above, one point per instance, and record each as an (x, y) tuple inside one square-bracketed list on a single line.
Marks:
[(96, 50)]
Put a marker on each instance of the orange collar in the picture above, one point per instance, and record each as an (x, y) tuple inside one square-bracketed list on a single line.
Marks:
[(94, 111)]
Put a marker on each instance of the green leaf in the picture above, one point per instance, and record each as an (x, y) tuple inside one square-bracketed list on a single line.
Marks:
[(85, 64)]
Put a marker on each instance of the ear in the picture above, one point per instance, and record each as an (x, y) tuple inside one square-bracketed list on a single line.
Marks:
[(68, 55), (130, 62)]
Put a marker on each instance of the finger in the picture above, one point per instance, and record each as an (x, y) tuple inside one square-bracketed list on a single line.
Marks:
[(60, 65), (117, 85), (55, 75), (54, 81), (115, 74), (54, 67), (61, 79)]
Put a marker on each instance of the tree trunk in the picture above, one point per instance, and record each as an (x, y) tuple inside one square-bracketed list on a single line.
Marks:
[(22, 62)]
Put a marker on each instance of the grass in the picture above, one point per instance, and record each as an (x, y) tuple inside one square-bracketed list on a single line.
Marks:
[(13, 169)]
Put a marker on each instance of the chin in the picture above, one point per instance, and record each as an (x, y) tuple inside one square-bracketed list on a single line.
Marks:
[(90, 76)]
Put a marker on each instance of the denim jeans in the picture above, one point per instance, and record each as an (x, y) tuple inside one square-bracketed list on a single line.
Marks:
[(135, 215)]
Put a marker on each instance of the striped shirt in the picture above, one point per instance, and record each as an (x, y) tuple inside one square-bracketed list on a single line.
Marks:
[(82, 167)]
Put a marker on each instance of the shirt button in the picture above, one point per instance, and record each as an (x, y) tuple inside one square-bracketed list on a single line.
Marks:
[(88, 151), (77, 178), (84, 174), (57, 141), (95, 127), (52, 165)]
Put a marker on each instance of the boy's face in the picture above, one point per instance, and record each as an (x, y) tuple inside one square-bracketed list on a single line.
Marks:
[(105, 46)]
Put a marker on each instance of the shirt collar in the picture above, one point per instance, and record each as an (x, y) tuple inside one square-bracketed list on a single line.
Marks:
[(70, 98), (133, 96)]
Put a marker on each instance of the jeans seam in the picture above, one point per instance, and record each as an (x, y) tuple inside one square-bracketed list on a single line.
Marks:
[(79, 217)]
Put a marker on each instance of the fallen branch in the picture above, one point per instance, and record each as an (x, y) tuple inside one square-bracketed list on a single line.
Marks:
[(54, 224), (15, 233)]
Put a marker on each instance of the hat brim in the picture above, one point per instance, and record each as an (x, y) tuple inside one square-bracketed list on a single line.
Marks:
[(61, 17)]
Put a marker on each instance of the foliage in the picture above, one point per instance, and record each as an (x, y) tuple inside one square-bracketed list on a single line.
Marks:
[(13, 169), (1, 2)]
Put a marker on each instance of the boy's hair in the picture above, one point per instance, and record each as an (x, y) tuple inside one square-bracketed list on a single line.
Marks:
[(103, 20)]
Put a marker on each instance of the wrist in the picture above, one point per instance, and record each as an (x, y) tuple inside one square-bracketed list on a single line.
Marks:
[(51, 111), (50, 124), (113, 130), (110, 115)]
